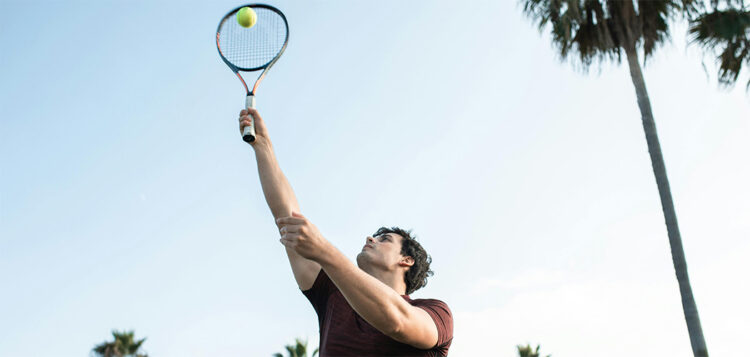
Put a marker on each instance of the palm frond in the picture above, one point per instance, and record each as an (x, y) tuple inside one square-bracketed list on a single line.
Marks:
[(528, 351), (301, 348), (291, 350), (726, 32), (600, 30), (653, 17), (298, 349), (124, 344)]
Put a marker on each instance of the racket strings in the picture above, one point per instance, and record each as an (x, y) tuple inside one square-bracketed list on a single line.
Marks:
[(256, 46)]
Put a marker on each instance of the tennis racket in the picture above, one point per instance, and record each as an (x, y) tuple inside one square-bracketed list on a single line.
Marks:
[(252, 49)]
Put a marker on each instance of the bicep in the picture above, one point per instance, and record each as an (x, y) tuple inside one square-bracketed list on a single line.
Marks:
[(418, 329), (305, 270)]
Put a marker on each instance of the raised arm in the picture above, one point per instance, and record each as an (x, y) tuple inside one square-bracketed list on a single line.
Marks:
[(279, 194)]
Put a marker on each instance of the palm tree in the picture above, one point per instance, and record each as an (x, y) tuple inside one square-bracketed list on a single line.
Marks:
[(299, 349), (726, 29), (527, 351), (124, 345), (601, 30)]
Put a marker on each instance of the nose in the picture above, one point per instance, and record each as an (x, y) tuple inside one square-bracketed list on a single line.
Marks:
[(370, 239)]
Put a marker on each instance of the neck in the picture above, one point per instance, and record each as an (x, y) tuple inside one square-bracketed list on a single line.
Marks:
[(394, 279)]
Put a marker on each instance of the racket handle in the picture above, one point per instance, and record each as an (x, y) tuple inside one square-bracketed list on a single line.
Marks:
[(248, 133)]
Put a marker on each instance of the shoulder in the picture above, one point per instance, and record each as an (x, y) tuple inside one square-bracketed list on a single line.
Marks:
[(432, 303), (442, 317), (438, 309)]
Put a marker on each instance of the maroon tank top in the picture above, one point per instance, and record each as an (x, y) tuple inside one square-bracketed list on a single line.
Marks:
[(344, 333)]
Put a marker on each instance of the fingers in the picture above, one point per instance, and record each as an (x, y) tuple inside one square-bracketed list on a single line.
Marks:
[(292, 237), (290, 220), (245, 119), (247, 116), (291, 229), (287, 242), (250, 112), (295, 218), (253, 112), (290, 240)]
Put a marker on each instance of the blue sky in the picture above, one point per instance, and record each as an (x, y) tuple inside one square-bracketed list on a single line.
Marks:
[(129, 201)]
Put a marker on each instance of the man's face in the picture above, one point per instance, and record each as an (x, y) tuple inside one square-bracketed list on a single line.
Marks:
[(382, 252)]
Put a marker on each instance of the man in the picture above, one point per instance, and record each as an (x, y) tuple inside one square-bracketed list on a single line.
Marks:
[(363, 309)]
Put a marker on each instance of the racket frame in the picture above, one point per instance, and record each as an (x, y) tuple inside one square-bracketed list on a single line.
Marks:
[(249, 133)]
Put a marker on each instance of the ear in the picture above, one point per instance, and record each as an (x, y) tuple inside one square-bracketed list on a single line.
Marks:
[(406, 261)]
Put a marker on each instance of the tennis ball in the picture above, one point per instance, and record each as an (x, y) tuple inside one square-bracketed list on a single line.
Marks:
[(246, 17)]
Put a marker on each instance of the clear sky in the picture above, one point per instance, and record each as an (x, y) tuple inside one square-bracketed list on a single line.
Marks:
[(129, 201)]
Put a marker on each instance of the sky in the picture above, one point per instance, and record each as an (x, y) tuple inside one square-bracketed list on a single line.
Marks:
[(129, 201)]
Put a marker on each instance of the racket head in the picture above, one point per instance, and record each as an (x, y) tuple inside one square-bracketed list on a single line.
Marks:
[(254, 48)]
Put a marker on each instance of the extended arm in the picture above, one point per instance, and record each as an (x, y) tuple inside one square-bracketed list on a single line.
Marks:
[(279, 194), (380, 305)]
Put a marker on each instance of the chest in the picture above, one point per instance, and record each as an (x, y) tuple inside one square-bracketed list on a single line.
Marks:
[(344, 332)]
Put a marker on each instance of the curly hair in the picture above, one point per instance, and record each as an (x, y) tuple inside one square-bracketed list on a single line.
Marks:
[(416, 277)]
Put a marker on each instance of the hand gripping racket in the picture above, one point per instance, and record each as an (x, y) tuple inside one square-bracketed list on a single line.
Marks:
[(252, 49)]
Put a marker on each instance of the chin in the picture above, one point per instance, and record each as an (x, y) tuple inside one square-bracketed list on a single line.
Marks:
[(361, 259)]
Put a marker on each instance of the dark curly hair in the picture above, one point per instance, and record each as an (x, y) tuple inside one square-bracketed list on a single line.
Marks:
[(416, 277)]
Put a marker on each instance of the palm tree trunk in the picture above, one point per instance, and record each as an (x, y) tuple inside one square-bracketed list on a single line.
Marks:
[(675, 241)]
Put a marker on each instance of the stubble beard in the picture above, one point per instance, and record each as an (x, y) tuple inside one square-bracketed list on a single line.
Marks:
[(362, 260)]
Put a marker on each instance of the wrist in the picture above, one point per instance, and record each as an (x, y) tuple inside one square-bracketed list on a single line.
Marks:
[(262, 146)]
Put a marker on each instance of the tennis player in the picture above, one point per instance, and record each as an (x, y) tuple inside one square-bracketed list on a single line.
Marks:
[(363, 309)]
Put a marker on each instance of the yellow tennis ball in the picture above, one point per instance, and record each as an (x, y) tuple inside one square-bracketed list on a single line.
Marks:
[(246, 17)]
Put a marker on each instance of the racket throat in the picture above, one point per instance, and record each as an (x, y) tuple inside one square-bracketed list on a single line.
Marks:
[(244, 84)]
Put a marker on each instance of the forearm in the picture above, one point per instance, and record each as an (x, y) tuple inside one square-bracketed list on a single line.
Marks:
[(277, 190), (377, 303)]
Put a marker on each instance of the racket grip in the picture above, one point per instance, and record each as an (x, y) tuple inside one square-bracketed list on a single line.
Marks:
[(248, 133)]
